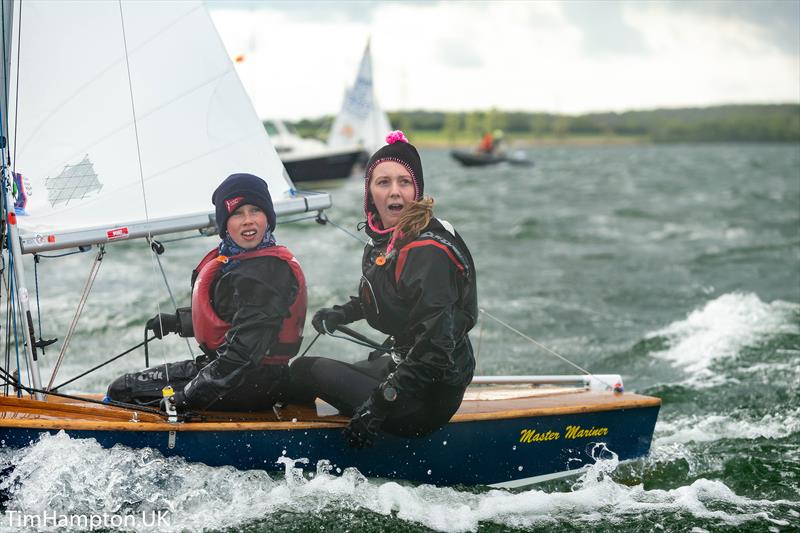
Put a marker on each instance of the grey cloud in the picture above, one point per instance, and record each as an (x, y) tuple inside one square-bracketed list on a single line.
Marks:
[(313, 10), (777, 20), (604, 29)]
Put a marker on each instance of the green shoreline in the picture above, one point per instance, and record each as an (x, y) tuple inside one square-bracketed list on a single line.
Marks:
[(431, 140), (725, 123)]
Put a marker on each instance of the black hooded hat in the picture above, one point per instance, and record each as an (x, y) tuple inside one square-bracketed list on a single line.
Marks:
[(399, 150), (239, 189)]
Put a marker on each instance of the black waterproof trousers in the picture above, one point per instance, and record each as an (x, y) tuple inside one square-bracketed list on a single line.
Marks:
[(265, 386), (348, 385)]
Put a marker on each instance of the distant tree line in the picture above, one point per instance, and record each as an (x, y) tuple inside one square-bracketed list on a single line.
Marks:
[(760, 123)]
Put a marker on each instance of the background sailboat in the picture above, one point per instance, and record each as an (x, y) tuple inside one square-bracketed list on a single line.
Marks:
[(311, 159), (361, 120)]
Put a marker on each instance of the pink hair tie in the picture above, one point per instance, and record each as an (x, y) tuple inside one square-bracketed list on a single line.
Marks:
[(395, 136)]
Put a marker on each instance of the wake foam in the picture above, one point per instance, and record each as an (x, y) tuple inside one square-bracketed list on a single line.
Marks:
[(724, 326), (58, 474), (707, 428)]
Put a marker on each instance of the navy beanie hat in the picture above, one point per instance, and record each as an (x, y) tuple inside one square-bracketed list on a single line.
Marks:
[(239, 189), (399, 150)]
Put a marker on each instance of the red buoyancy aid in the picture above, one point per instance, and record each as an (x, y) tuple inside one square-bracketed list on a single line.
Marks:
[(210, 329)]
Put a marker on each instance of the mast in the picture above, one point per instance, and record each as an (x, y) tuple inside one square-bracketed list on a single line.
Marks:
[(18, 271)]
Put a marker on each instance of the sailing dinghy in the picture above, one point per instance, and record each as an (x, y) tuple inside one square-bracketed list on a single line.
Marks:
[(361, 120), (121, 117)]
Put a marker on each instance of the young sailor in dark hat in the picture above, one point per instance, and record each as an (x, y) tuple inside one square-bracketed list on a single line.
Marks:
[(418, 287), (247, 314)]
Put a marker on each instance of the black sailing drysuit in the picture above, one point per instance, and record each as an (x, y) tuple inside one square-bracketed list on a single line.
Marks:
[(254, 297), (425, 296)]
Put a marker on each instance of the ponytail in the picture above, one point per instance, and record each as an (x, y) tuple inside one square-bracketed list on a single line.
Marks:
[(414, 219)]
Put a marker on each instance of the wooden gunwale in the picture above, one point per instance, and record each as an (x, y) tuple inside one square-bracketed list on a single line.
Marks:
[(59, 413)]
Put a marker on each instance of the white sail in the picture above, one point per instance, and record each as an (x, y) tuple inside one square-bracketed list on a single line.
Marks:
[(361, 120), (124, 117)]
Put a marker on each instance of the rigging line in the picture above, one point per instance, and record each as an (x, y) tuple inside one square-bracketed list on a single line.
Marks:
[(310, 345), (80, 250), (534, 341), (480, 343), (126, 352), (171, 297), (14, 312), (299, 219), (38, 306), (139, 159), (12, 293), (16, 97), (78, 311), (120, 405), (8, 325), (187, 237), (4, 117), (324, 219)]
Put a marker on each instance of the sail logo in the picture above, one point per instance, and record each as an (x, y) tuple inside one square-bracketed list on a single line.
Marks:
[(117, 233), (75, 182)]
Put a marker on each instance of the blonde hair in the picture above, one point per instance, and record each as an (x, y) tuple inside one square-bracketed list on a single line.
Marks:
[(414, 219)]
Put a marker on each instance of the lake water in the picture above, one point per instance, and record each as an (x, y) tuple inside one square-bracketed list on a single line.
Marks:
[(677, 266)]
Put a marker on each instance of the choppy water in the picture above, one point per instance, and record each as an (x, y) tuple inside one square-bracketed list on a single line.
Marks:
[(677, 266)]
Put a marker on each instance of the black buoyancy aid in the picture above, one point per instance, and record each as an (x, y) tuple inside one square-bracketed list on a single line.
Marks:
[(384, 308), (210, 329)]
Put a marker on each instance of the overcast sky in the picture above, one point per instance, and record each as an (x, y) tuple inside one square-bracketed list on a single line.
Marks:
[(553, 56)]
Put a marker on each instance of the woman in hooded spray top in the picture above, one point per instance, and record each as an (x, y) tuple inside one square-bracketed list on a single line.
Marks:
[(418, 287)]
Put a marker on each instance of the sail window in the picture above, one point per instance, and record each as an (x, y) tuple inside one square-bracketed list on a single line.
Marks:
[(74, 183)]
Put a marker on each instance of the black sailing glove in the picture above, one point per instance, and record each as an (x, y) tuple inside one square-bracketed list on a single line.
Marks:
[(180, 323), (177, 400), (163, 324), (362, 430), (327, 319)]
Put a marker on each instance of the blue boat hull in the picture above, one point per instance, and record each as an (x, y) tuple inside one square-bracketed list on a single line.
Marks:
[(508, 451)]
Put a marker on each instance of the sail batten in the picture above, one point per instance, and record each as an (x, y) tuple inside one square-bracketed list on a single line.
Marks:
[(89, 161)]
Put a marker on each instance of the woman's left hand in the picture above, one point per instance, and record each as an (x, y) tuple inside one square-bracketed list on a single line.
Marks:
[(363, 428)]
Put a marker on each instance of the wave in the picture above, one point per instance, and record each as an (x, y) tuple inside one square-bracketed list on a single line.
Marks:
[(722, 327), (65, 476), (707, 428)]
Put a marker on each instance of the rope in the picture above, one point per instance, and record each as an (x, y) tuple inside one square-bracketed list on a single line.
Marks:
[(299, 219), (480, 343), (323, 219), (81, 303), (80, 250), (310, 345), (184, 238), (38, 305), (7, 360), (126, 352), (12, 296), (139, 155), (169, 290), (534, 341), (16, 95)]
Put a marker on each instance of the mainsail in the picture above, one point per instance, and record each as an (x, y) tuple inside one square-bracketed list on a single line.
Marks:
[(361, 120), (122, 119)]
